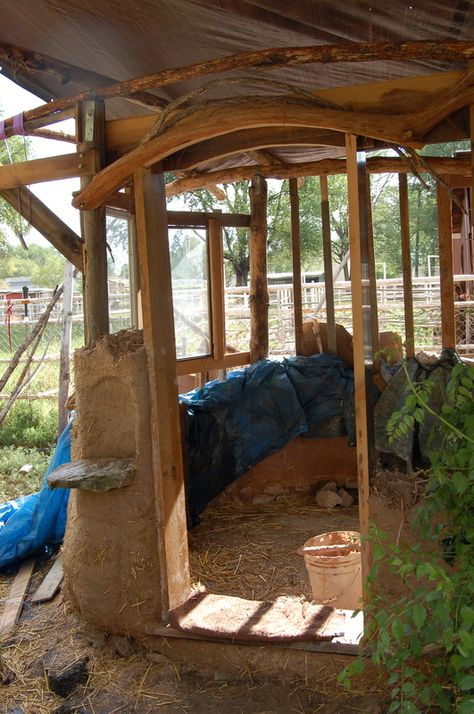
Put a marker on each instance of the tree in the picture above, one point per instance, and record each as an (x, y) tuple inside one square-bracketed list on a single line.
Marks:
[(11, 151), (44, 265)]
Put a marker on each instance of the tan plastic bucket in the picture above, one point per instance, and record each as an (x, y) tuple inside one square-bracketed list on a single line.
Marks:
[(333, 561)]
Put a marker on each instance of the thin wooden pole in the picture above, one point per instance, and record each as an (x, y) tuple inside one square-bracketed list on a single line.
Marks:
[(216, 268), (370, 257), (296, 262), (361, 333), (134, 273), (406, 265), (93, 228), (446, 282), (258, 269), (328, 274), (65, 352), (159, 337)]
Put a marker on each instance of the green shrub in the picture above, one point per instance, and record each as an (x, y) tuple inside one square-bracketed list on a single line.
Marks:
[(31, 425), (425, 640), (13, 483)]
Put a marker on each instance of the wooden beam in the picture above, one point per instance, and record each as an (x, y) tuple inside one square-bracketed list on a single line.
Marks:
[(52, 168), (15, 598), (263, 157), (158, 331), (249, 140), (471, 183), (204, 364), (51, 584), (372, 276), (327, 257), (216, 270), (296, 264), (394, 96), (446, 283), (93, 229), (443, 50), (58, 233), (360, 386), (25, 62), (406, 266), (324, 167), (258, 269), (220, 118), (200, 218)]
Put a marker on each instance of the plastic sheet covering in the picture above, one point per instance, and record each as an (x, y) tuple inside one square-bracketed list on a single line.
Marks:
[(230, 426), (31, 522), (414, 446)]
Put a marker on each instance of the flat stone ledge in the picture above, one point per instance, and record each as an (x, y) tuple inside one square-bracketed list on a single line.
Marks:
[(94, 474)]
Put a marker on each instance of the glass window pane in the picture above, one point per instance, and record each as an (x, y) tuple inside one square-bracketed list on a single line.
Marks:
[(189, 276)]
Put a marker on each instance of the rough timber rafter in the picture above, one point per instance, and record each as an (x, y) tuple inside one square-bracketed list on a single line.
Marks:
[(22, 62), (325, 167), (47, 223), (267, 59), (221, 118)]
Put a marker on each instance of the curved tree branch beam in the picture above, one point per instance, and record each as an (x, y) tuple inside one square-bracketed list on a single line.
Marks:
[(441, 50), (329, 167), (224, 117)]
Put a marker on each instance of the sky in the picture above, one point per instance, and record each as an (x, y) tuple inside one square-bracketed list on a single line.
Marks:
[(56, 195)]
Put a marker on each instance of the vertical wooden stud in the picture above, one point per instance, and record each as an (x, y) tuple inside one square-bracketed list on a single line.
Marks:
[(406, 266), (446, 282), (96, 299), (65, 352), (361, 334), (216, 269), (258, 269), (134, 273), (296, 262), (374, 318), (327, 256), (158, 330)]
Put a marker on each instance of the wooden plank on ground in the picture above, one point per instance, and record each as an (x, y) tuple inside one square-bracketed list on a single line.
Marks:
[(15, 598), (336, 647), (50, 585)]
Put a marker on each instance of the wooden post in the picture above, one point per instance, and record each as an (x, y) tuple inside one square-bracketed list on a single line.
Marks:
[(158, 330), (446, 282), (356, 182), (216, 269), (134, 274), (327, 256), (96, 300), (406, 265), (65, 352), (372, 295), (296, 262), (258, 294)]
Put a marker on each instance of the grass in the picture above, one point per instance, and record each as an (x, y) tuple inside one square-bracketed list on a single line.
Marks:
[(14, 483), (26, 437)]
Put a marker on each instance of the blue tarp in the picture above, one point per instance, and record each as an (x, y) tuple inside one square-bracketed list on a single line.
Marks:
[(230, 426), (31, 522)]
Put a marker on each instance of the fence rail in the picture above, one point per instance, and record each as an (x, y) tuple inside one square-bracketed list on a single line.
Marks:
[(192, 328)]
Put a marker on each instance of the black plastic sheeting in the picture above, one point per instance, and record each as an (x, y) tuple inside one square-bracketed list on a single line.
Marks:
[(230, 426), (415, 445)]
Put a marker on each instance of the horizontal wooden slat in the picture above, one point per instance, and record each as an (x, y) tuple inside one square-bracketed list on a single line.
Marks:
[(203, 364), (51, 168)]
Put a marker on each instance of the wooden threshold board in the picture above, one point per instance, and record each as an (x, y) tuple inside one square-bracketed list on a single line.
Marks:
[(329, 647)]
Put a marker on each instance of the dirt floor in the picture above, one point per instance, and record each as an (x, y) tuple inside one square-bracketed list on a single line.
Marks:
[(253, 556), (252, 551)]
